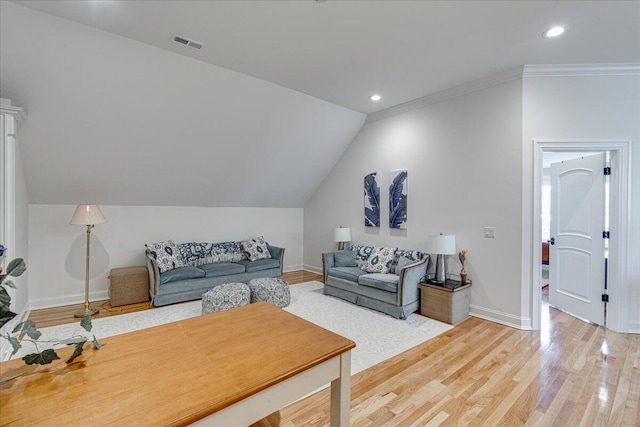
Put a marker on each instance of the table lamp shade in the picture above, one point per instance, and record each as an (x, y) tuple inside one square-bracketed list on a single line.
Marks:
[(441, 244), (87, 215), (342, 234)]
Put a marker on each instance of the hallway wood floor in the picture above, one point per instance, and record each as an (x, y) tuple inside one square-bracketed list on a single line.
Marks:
[(481, 373)]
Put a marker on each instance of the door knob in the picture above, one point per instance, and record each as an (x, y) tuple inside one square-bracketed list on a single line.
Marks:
[(552, 241)]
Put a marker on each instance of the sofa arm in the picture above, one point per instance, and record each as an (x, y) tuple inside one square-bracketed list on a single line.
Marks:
[(328, 261), (154, 275), (409, 283), (277, 253)]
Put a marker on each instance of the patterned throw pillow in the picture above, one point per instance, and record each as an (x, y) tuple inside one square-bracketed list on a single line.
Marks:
[(221, 252), (166, 255), (362, 253), (256, 249), (379, 261), (193, 252), (411, 254)]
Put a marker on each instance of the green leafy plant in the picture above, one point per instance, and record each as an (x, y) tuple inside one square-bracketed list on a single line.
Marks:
[(27, 329)]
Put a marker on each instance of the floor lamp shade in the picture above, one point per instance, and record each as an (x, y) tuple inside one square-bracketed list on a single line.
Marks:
[(88, 215), (441, 245), (341, 235)]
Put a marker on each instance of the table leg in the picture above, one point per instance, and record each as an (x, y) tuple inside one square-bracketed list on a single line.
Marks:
[(341, 393)]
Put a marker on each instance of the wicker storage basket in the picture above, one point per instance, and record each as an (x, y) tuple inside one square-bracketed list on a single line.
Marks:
[(128, 285)]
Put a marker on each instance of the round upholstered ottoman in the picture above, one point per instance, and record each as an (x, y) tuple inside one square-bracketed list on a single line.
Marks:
[(273, 291), (224, 297)]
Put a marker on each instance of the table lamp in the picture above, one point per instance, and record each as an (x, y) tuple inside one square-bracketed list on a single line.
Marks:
[(88, 215), (441, 245), (341, 235)]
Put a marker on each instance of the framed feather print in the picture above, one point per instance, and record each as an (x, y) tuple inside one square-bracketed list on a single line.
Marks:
[(371, 200), (398, 199)]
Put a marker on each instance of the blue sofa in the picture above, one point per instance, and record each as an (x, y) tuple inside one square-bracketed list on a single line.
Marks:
[(395, 292), (206, 265)]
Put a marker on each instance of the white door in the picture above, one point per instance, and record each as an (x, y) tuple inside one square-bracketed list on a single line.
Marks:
[(576, 256)]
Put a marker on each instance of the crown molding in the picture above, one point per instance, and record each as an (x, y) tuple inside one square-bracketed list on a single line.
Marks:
[(6, 107), (446, 94), (580, 70)]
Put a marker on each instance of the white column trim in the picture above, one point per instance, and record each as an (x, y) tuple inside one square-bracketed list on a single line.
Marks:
[(9, 117)]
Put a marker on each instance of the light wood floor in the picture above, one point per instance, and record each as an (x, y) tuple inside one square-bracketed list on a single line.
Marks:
[(481, 373)]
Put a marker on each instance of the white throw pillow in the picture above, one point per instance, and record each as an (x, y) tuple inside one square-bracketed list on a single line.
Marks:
[(379, 261)]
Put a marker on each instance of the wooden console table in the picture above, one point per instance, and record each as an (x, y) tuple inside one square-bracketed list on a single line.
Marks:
[(229, 368), (444, 304)]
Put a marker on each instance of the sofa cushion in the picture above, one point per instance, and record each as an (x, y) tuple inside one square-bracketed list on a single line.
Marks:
[(181, 273), (256, 249), (385, 282), (347, 273), (222, 269), (345, 259), (166, 254), (261, 264), (402, 263), (379, 261)]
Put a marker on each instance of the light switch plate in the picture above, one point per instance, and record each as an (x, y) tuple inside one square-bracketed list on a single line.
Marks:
[(490, 232)]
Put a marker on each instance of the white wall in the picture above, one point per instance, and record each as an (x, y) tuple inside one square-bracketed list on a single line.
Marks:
[(57, 249), (465, 172), (589, 108), (125, 123)]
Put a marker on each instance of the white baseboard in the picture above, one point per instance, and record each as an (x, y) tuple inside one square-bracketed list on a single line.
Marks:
[(634, 326), (40, 303), (501, 317), (5, 347), (289, 268), (312, 268)]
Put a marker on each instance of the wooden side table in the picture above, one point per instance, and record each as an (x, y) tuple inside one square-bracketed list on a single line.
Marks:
[(444, 304)]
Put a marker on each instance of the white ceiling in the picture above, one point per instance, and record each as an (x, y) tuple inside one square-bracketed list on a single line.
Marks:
[(342, 51)]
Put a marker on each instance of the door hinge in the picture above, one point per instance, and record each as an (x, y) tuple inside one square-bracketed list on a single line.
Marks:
[(607, 171), (605, 298), (605, 234)]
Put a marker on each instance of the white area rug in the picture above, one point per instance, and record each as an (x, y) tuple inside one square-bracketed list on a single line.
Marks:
[(377, 335)]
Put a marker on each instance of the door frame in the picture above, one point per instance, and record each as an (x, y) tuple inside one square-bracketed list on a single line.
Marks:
[(618, 286)]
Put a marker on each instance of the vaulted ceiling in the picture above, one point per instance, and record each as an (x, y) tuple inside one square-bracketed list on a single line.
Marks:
[(120, 114), (342, 51)]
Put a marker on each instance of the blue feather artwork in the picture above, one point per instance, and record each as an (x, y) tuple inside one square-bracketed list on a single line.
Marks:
[(398, 199), (371, 200)]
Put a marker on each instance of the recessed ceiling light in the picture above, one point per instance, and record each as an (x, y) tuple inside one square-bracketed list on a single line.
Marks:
[(554, 31), (375, 97)]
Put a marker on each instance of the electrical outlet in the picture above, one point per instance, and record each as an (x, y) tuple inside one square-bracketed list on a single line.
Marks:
[(490, 232)]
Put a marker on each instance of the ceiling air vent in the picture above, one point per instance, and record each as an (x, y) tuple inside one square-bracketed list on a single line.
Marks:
[(187, 42)]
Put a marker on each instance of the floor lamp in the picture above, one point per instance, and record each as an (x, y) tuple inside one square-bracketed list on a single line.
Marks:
[(88, 215), (441, 245)]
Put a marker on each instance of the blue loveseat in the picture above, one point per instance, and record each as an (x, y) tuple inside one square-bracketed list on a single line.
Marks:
[(202, 266), (391, 284)]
